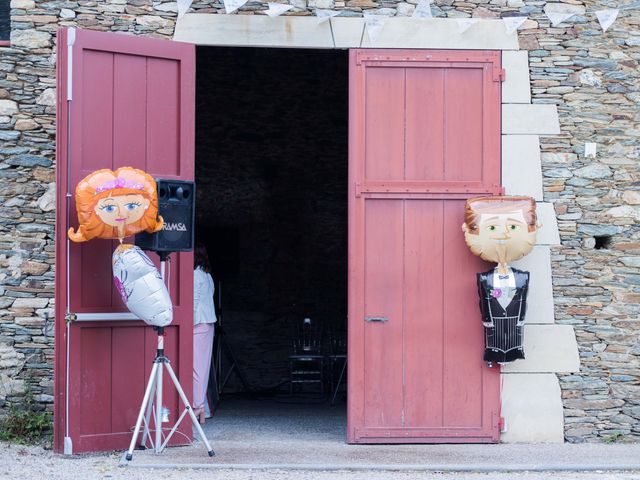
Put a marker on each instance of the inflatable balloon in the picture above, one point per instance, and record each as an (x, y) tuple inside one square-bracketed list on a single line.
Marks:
[(142, 289), (116, 205), (502, 229)]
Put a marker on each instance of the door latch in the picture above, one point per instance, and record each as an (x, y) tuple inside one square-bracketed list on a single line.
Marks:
[(70, 317), (376, 319)]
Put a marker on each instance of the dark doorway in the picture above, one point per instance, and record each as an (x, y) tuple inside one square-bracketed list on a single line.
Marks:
[(271, 174)]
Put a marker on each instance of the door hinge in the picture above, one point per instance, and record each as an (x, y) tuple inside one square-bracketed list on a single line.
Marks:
[(499, 75), (376, 319), (70, 317)]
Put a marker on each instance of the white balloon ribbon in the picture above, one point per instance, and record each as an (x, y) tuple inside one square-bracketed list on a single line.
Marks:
[(465, 24), (231, 6), (183, 7), (607, 17), (375, 24), (141, 287), (423, 10), (325, 15), (277, 9), (511, 24)]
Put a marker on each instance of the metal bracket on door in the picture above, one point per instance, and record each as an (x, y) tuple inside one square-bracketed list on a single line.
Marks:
[(376, 319), (100, 317)]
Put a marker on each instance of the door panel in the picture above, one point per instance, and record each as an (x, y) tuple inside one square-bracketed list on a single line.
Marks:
[(132, 103), (423, 137)]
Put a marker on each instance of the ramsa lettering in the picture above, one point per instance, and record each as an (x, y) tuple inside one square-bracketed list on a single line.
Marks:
[(175, 227)]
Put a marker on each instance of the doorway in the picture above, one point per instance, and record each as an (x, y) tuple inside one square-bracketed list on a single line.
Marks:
[(271, 164)]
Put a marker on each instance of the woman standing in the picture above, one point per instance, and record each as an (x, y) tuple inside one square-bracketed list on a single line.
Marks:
[(204, 316)]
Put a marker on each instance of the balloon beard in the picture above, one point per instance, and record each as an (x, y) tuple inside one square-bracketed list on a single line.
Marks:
[(115, 205)]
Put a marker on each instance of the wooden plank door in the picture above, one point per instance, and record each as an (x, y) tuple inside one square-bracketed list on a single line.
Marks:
[(122, 101), (424, 136)]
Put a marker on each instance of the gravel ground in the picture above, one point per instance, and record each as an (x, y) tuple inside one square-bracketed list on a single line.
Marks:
[(20, 462)]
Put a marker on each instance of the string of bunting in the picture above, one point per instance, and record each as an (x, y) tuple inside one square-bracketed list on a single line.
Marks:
[(557, 13)]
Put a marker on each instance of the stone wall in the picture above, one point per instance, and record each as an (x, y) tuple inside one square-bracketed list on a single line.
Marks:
[(592, 76)]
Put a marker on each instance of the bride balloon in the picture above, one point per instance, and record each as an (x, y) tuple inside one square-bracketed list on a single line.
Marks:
[(115, 205)]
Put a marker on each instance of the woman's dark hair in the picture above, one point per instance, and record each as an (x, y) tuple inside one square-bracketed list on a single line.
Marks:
[(200, 258)]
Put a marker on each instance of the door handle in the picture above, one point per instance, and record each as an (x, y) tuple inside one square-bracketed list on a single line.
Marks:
[(376, 319)]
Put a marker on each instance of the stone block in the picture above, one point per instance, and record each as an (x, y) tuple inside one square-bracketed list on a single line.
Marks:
[(404, 32), (521, 167), (516, 88), (523, 119), (532, 408), (30, 302), (253, 30), (30, 39), (8, 107), (548, 349), (548, 234), (540, 297)]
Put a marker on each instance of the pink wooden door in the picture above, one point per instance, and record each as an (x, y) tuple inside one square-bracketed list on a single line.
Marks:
[(122, 101), (424, 135)]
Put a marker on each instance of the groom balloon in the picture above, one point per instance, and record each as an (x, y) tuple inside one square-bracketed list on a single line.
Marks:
[(502, 229)]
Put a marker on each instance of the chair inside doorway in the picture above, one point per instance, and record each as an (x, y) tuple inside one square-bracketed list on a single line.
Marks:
[(306, 361)]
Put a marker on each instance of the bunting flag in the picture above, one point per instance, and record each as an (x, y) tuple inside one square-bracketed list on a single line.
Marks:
[(607, 17), (557, 18), (277, 9), (183, 7), (423, 10), (465, 24), (375, 24), (325, 15), (511, 24), (231, 6)]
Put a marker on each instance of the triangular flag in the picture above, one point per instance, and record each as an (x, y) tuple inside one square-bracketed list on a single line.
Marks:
[(325, 15), (511, 24), (465, 24), (375, 24), (557, 17), (231, 6), (607, 17), (423, 10), (277, 9), (183, 6)]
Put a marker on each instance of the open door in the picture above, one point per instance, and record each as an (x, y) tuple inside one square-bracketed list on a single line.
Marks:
[(122, 101), (424, 136)]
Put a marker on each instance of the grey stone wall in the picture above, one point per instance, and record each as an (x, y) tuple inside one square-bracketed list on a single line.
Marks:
[(593, 78)]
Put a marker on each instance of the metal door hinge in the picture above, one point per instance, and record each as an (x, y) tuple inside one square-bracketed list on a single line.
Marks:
[(70, 317)]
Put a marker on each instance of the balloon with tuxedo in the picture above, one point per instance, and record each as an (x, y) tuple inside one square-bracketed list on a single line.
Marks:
[(115, 205), (502, 229)]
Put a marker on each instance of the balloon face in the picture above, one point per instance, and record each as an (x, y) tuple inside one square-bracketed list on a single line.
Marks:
[(141, 287), (116, 205), (500, 229), (121, 210)]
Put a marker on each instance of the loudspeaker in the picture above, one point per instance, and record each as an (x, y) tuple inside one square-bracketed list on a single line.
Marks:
[(176, 204)]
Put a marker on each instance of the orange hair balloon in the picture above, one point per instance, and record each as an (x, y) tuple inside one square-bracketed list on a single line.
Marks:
[(116, 204)]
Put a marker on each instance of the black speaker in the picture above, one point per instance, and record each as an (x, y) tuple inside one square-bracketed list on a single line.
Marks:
[(176, 204)]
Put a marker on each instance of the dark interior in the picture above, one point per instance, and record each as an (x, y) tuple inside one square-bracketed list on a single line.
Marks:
[(271, 176)]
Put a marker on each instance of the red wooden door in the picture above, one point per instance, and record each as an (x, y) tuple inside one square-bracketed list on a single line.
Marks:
[(122, 101), (424, 135)]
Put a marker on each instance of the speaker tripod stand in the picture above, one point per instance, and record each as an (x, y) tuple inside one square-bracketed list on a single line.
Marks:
[(154, 388)]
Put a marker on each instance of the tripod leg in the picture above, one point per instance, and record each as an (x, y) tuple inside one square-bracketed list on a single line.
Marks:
[(185, 401), (147, 418), (145, 400), (158, 444)]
